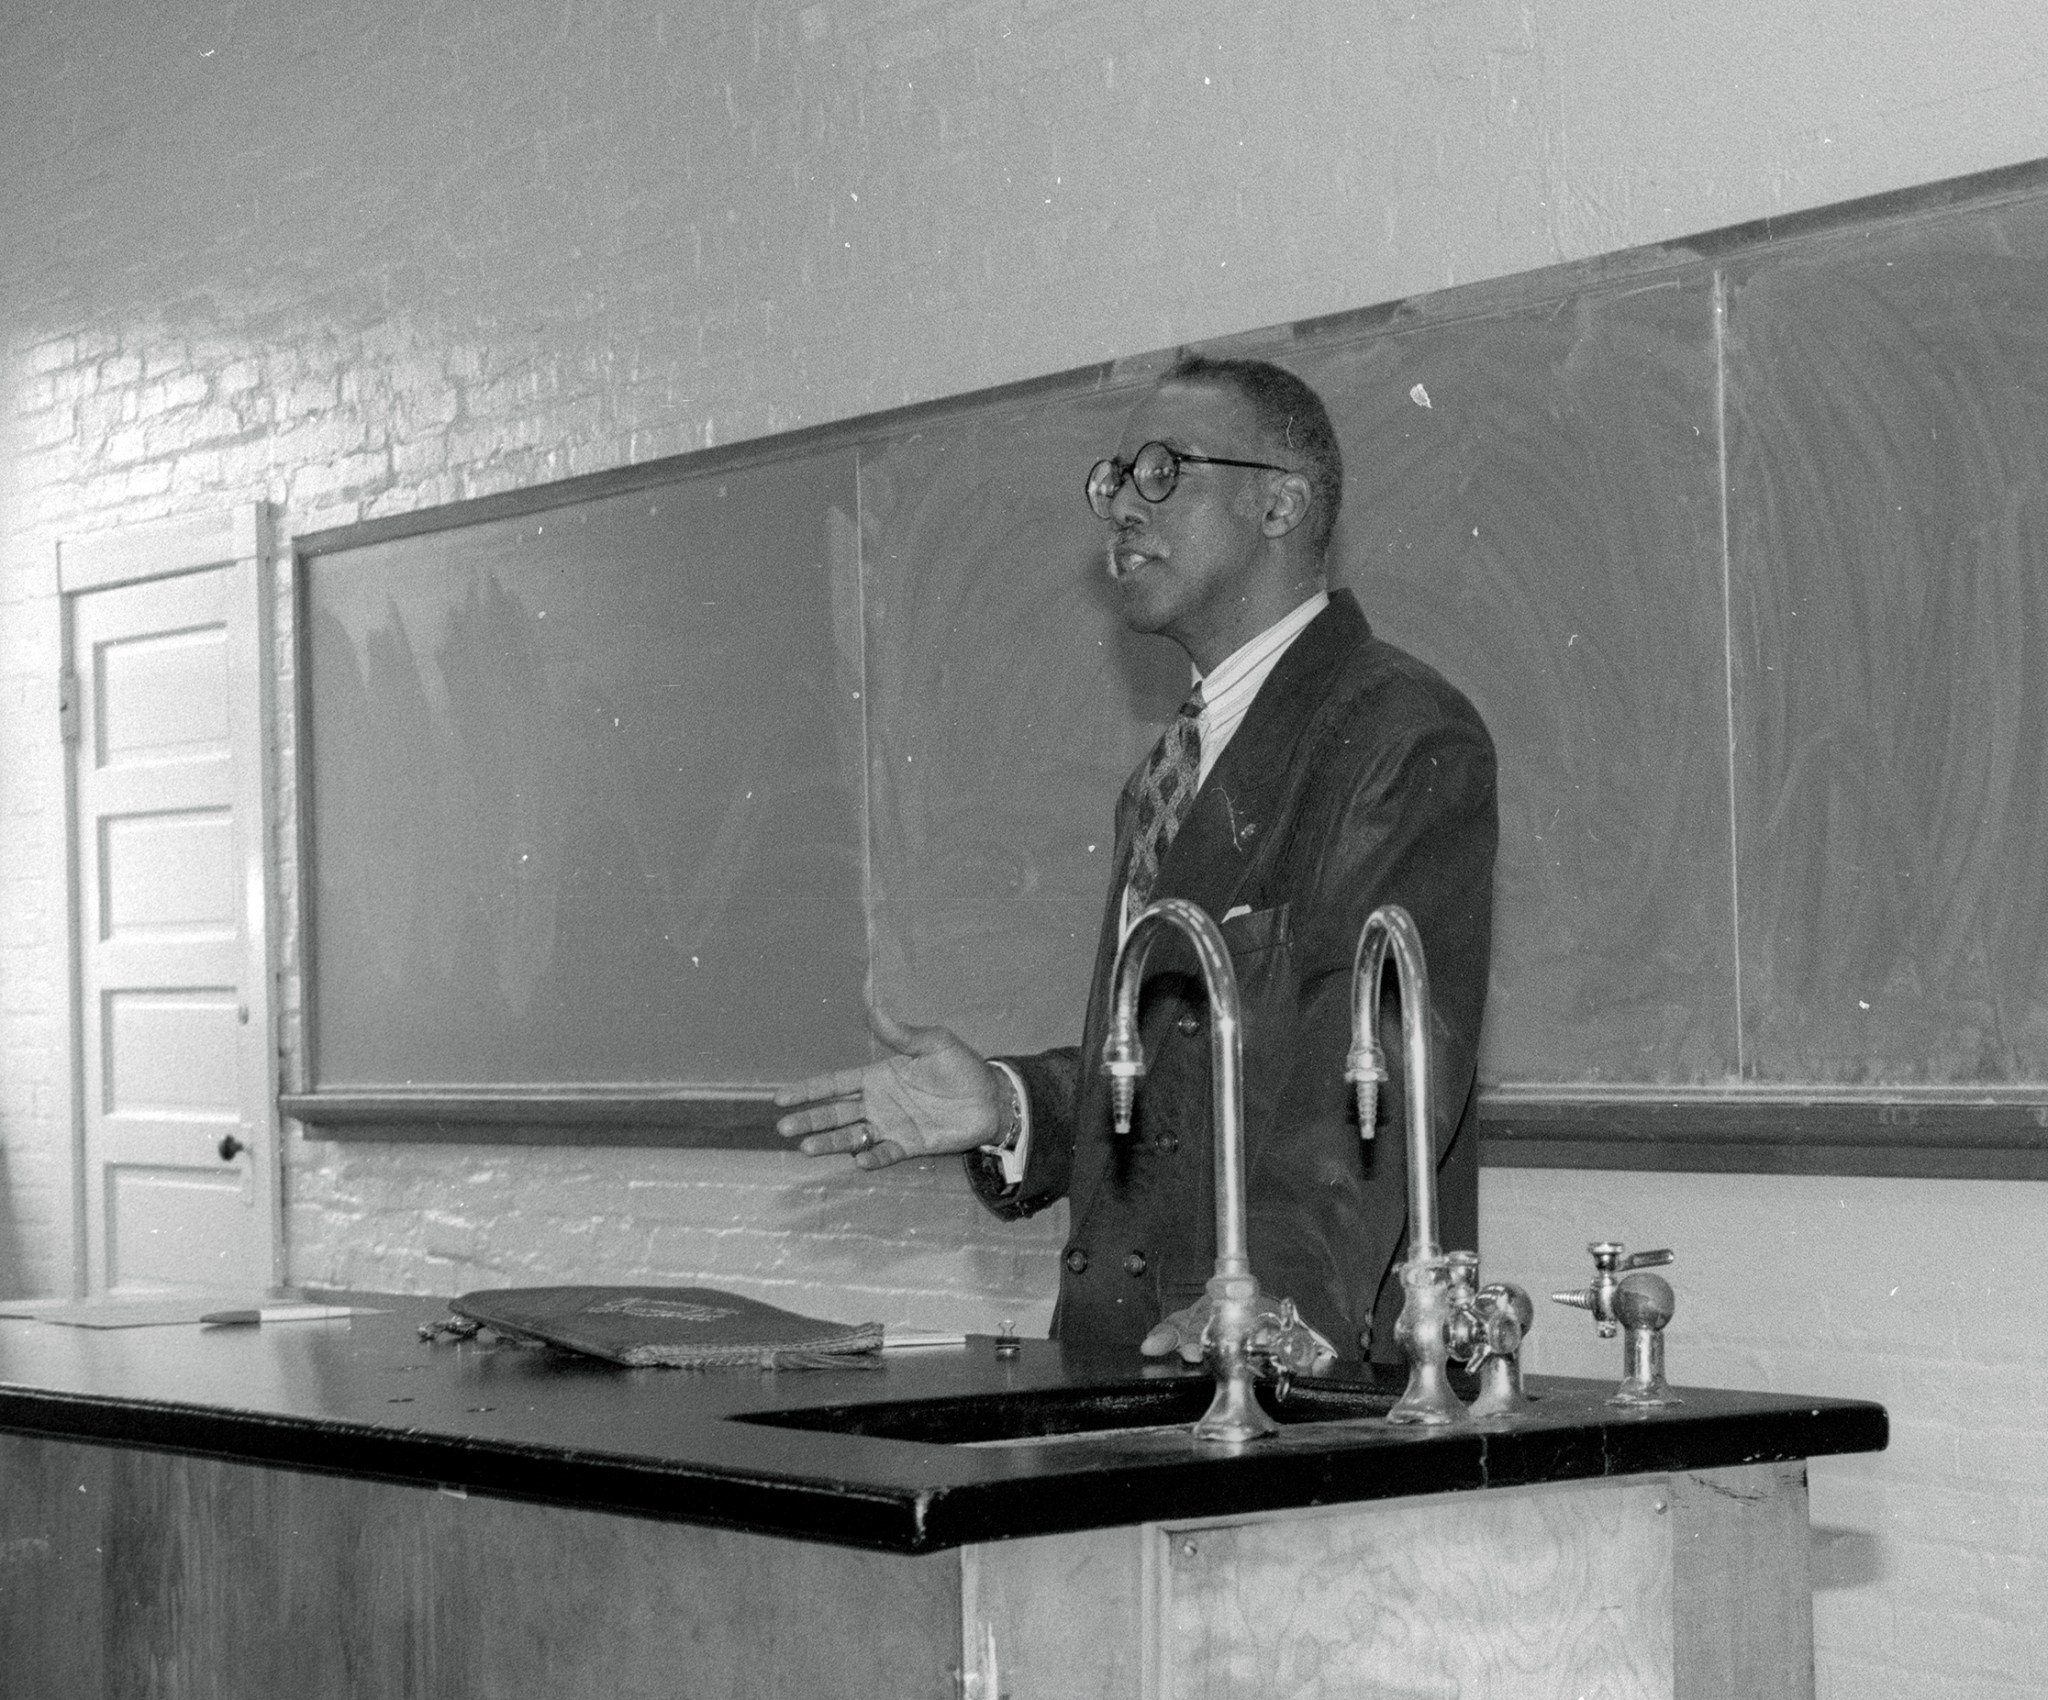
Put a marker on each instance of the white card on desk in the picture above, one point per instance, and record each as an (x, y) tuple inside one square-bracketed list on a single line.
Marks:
[(895, 1339), (175, 1311)]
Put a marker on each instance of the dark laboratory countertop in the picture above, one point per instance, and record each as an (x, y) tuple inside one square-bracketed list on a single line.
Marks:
[(832, 1455)]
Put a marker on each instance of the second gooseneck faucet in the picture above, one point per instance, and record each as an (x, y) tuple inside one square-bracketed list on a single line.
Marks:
[(1435, 1286)]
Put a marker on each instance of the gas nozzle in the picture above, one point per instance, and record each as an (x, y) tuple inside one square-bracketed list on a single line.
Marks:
[(1365, 1067), (1123, 1060)]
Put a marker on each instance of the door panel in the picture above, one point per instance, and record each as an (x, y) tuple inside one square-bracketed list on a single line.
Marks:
[(171, 876), (176, 1228), (168, 871), (163, 697), (172, 1053)]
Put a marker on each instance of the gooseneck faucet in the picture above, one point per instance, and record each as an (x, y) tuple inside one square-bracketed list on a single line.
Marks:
[(1433, 1284), (1243, 1328)]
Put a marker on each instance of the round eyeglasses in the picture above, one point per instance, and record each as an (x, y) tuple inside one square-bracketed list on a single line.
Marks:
[(1153, 471)]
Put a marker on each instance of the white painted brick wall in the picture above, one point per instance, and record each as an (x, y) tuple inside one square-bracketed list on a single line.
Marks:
[(1931, 1558), (817, 1237), (355, 260)]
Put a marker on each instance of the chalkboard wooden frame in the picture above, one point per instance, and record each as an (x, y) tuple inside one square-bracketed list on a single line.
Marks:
[(1936, 1132), (721, 1117), (1929, 1135), (1938, 1136)]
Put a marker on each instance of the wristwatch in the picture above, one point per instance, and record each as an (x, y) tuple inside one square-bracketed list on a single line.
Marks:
[(1011, 1113)]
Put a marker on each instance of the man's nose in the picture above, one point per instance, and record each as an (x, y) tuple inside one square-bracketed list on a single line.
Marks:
[(1127, 506)]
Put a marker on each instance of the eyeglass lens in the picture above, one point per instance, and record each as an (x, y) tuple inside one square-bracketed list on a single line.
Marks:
[(1154, 470)]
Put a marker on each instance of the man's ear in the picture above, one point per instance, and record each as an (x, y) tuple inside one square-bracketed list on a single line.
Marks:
[(1288, 505)]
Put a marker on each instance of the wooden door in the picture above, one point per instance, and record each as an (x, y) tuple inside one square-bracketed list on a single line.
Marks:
[(176, 1073)]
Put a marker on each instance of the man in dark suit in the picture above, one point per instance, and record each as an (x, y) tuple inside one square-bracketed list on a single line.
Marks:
[(1316, 773)]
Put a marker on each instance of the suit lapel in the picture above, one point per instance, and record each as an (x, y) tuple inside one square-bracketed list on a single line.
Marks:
[(1233, 816), (1233, 813)]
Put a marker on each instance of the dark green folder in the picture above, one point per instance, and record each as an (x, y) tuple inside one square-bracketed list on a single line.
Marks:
[(685, 1327)]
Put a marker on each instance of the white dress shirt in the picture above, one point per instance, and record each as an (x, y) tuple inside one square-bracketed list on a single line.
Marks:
[(1228, 690)]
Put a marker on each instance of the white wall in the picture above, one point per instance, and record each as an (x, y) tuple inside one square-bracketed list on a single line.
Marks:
[(356, 259), (1931, 1558)]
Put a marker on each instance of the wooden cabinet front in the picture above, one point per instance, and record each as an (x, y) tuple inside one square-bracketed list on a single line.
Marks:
[(133, 1573)]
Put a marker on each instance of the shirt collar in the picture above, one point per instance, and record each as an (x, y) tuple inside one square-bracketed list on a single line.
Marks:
[(1261, 651)]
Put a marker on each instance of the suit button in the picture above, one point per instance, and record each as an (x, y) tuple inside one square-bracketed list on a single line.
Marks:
[(1076, 1260), (1189, 1026), (1167, 1143), (1134, 1264)]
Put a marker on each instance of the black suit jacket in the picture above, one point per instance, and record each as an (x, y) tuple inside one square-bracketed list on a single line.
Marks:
[(1359, 777)]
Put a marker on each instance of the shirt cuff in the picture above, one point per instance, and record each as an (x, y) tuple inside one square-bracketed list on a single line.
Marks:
[(1013, 1160)]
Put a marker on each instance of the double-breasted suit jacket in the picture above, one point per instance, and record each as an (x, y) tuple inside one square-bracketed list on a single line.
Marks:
[(1360, 776)]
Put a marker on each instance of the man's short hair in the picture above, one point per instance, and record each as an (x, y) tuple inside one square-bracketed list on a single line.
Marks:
[(1295, 424)]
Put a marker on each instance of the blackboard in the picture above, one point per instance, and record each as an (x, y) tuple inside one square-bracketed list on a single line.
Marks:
[(1888, 467), (585, 796), (1737, 543)]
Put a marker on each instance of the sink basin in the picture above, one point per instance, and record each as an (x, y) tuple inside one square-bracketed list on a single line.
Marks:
[(1074, 1414)]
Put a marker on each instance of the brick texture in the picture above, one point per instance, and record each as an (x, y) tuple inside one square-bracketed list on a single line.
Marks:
[(358, 259), (1930, 1558)]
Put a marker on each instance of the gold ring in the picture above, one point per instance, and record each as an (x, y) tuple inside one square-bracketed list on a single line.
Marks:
[(867, 1139)]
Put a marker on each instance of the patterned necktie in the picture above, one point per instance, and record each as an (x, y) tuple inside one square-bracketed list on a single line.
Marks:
[(1165, 787)]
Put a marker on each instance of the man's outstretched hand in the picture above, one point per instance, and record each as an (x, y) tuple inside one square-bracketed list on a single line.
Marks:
[(1278, 1333), (932, 1097)]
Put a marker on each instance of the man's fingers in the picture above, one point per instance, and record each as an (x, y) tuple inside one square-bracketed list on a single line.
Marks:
[(1164, 1337), (820, 1118), (851, 1138), (841, 1083), (1167, 1338), (1181, 1332)]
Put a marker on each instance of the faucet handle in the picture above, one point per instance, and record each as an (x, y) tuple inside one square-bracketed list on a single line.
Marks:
[(1505, 1314), (1608, 1258)]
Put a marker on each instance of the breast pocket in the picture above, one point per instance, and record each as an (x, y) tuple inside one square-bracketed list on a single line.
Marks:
[(1261, 946), (1248, 931), (1258, 945)]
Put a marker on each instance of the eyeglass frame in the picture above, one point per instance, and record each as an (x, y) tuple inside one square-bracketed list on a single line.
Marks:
[(1126, 472)]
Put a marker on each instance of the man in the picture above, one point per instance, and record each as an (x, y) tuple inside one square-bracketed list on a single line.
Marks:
[(1328, 773)]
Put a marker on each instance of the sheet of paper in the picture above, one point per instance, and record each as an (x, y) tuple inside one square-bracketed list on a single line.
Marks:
[(170, 1312)]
